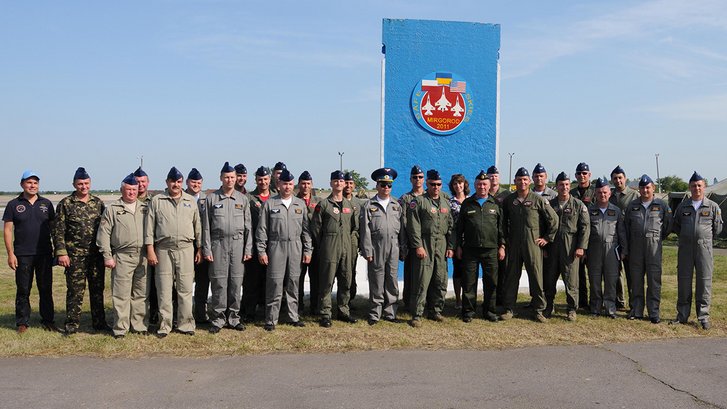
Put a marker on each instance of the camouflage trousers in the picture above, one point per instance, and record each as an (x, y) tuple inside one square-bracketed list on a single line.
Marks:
[(85, 268)]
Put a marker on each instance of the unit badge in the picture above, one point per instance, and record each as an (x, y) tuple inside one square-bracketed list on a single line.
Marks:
[(441, 104)]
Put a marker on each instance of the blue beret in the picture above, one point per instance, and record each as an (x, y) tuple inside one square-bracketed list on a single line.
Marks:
[(240, 169), (583, 167), (81, 174), (336, 174), (279, 166), (618, 170), (415, 170), (561, 176), (539, 169), (305, 176), (194, 174), (696, 177), (384, 175), (601, 182), (433, 174), (174, 174), (521, 172), (29, 174), (645, 180), (139, 172), (347, 176), (285, 175), (482, 176), (226, 168), (262, 171), (492, 170), (130, 180)]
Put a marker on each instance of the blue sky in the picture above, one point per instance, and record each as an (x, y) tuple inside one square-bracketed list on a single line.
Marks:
[(198, 83)]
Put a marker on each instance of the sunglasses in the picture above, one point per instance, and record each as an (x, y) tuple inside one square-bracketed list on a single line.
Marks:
[(417, 177), (581, 173), (435, 184), (385, 185)]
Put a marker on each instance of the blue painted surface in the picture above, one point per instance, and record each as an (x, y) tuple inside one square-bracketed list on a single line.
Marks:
[(415, 48)]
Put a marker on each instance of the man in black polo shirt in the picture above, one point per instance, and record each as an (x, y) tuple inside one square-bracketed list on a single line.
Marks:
[(29, 216)]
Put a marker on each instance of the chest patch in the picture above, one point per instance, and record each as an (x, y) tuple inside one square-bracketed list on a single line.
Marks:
[(687, 214), (595, 212), (43, 208), (610, 212), (434, 210), (491, 211), (187, 205), (20, 208), (527, 203), (274, 211), (412, 205), (567, 210), (346, 210), (655, 208), (635, 209), (298, 211), (704, 213), (516, 202), (374, 209), (336, 211), (445, 210), (217, 205), (238, 206)]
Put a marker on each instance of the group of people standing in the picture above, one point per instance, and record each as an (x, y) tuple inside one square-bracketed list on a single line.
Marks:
[(252, 250)]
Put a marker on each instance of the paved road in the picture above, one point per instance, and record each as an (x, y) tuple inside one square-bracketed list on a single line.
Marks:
[(686, 373)]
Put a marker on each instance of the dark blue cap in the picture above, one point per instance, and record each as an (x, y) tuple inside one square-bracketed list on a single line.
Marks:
[(81, 174), (482, 176), (433, 174), (139, 172), (240, 169), (384, 175), (696, 177), (336, 174), (583, 167), (279, 166), (492, 170), (174, 174), (645, 180), (285, 176), (347, 176), (522, 172), (539, 169), (415, 170), (618, 170), (226, 168), (561, 177), (130, 180), (262, 171), (601, 182), (194, 174), (305, 176)]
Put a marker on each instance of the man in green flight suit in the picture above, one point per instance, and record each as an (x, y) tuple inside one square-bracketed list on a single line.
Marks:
[(334, 221), (416, 177), (429, 229), (585, 192), (530, 224), (622, 195)]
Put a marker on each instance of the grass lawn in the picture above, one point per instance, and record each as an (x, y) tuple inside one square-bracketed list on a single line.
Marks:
[(451, 334)]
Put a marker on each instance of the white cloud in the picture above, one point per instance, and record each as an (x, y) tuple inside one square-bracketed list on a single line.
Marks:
[(703, 108)]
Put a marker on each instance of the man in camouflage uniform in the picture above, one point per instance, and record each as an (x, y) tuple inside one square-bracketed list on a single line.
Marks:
[(307, 194), (622, 195), (697, 222), (648, 222), (429, 230), (480, 242), (74, 236), (172, 230), (416, 177), (530, 224), (120, 239), (584, 192), (333, 224), (569, 246)]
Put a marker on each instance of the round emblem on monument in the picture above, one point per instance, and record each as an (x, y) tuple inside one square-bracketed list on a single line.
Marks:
[(441, 104)]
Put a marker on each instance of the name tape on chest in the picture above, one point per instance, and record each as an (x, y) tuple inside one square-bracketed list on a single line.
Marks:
[(610, 213)]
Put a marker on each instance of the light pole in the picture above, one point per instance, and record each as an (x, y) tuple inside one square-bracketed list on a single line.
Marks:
[(340, 154), (509, 177), (141, 161), (658, 180)]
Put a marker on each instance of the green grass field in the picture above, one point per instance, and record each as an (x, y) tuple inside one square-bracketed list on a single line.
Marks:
[(451, 334)]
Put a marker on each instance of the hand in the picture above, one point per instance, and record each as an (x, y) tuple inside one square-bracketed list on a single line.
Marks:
[(459, 253), (421, 253), (541, 242), (580, 253), (449, 253), (12, 261), (501, 253), (151, 256), (109, 263), (209, 258), (198, 256), (370, 259), (246, 257), (64, 261), (263, 259), (306, 259)]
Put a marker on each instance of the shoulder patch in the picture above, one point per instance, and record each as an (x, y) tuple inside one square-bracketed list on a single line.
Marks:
[(412, 204)]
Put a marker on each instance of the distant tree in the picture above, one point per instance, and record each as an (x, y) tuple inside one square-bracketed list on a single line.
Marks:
[(673, 184), (360, 181)]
